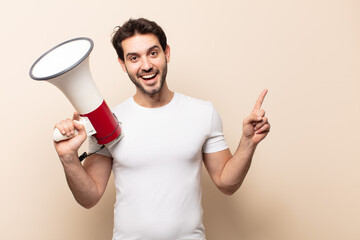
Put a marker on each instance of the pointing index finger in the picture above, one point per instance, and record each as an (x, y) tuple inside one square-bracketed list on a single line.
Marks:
[(260, 100)]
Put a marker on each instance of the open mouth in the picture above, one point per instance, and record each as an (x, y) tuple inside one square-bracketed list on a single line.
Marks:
[(149, 76)]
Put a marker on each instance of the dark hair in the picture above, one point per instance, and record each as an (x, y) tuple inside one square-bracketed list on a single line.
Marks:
[(133, 27)]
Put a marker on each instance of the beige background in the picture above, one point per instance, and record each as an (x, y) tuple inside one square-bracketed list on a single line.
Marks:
[(304, 181)]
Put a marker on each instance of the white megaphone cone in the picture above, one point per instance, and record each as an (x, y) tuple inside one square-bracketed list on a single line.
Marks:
[(67, 67)]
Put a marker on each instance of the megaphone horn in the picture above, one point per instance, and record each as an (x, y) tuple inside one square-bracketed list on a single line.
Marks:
[(67, 67)]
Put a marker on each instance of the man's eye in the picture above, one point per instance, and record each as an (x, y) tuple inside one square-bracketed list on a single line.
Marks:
[(133, 58), (153, 53)]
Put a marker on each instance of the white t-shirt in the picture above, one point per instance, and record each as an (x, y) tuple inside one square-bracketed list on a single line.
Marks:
[(157, 168)]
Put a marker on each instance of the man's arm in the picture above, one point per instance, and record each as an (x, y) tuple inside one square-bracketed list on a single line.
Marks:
[(228, 171), (87, 182)]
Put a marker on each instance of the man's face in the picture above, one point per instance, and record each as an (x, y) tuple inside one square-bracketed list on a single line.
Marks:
[(145, 62)]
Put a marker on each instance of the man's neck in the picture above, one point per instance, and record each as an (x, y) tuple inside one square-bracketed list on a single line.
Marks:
[(153, 101)]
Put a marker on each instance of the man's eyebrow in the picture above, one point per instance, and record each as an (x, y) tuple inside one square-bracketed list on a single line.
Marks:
[(151, 48)]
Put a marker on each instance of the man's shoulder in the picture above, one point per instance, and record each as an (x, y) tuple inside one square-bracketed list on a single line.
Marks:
[(194, 101)]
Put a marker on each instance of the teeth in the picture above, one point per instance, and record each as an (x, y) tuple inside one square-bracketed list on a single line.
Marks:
[(148, 76)]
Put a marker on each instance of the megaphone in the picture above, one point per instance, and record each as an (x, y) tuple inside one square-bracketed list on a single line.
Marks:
[(67, 67)]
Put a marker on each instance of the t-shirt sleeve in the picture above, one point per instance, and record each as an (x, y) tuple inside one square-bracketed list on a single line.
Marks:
[(215, 141), (94, 146)]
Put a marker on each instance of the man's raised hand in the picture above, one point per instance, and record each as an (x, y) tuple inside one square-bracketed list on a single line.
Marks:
[(256, 126), (67, 127)]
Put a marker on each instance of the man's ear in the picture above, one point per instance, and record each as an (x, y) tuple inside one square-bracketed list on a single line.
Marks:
[(122, 65), (167, 53)]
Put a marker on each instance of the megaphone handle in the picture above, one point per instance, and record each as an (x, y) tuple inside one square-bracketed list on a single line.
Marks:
[(58, 136)]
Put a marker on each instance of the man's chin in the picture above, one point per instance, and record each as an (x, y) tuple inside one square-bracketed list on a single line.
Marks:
[(152, 91)]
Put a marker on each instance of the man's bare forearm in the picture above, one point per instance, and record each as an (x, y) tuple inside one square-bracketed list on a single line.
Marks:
[(237, 167), (81, 184)]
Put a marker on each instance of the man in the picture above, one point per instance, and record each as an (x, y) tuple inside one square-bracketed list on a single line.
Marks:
[(157, 165)]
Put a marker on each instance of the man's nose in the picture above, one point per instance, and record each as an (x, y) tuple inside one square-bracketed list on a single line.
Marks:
[(146, 64)]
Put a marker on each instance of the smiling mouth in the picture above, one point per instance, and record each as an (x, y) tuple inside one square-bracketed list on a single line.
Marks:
[(149, 76)]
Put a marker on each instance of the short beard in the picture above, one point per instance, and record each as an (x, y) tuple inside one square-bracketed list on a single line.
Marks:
[(155, 91)]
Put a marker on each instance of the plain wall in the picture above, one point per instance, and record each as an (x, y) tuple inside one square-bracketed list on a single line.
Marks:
[(304, 181)]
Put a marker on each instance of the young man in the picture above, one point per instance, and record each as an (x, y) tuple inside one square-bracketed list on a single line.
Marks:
[(157, 165)]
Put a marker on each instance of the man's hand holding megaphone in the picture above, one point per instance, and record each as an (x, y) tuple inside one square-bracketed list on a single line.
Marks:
[(67, 149)]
